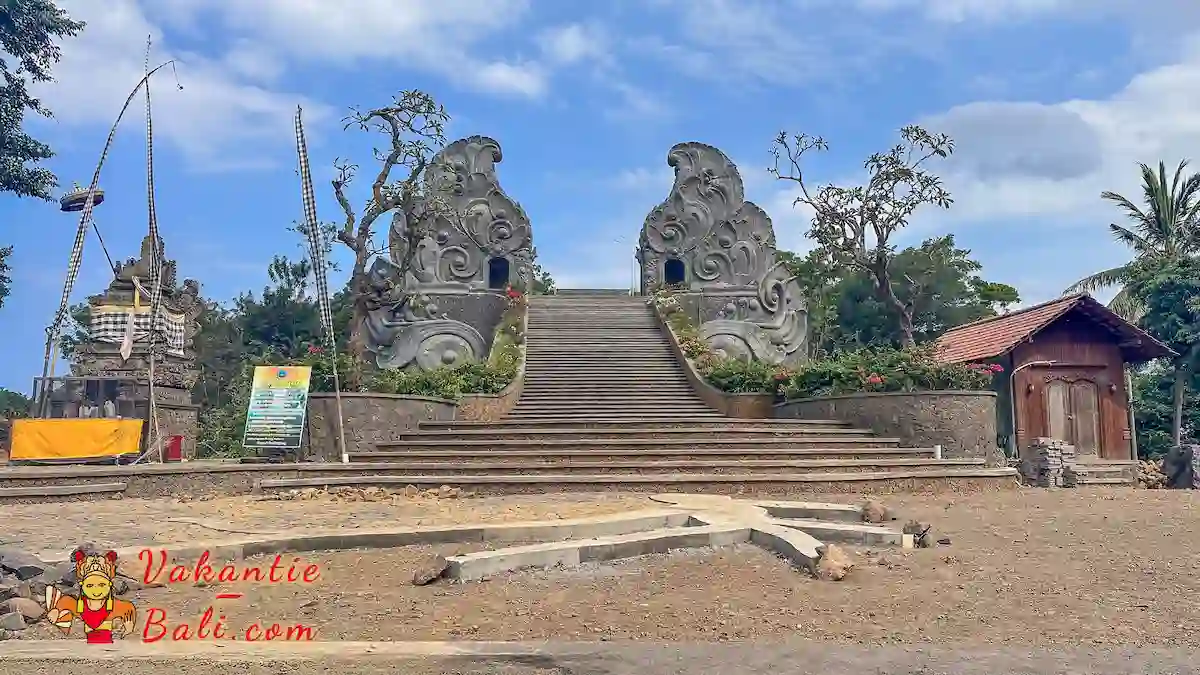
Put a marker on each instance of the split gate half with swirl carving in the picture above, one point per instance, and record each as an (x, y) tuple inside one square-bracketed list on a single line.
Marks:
[(438, 296)]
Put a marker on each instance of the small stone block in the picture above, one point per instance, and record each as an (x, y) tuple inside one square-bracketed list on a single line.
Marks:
[(908, 541)]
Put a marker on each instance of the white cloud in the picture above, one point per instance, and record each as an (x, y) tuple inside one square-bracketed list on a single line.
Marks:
[(219, 119), (231, 112), (1055, 163), (573, 43)]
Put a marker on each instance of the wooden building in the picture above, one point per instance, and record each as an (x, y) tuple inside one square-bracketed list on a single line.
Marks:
[(1064, 373)]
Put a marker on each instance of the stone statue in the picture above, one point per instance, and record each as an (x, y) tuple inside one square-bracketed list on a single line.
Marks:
[(720, 250), (438, 297)]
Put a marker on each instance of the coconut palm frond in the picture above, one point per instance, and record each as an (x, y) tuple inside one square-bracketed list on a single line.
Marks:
[(1127, 306), (1117, 276), (1132, 211), (1131, 239)]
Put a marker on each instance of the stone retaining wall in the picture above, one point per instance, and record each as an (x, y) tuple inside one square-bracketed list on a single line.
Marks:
[(369, 419), (224, 479), (962, 422), (746, 406)]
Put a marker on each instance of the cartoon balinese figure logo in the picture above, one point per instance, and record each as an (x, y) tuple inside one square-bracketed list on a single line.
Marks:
[(97, 607)]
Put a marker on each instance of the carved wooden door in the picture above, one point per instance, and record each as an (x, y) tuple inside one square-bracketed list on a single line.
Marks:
[(1072, 408)]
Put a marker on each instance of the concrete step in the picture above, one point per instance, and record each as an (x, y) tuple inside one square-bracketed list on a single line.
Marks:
[(636, 466), (607, 394), (583, 453), (669, 421), (642, 411), (582, 417), (574, 293), (699, 435), (643, 443), (1087, 480), (610, 395), (574, 385), (965, 480)]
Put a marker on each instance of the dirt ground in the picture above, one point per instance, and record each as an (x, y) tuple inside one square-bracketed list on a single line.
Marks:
[(1036, 568), (126, 522)]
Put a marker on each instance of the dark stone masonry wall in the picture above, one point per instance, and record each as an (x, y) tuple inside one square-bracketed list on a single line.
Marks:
[(962, 422), (369, 419)]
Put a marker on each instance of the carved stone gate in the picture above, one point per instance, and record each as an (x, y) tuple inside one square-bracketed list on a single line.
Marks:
[(719, 251), (439, 295)]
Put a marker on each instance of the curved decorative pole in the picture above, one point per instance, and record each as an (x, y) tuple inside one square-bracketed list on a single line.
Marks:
[(52, 331)]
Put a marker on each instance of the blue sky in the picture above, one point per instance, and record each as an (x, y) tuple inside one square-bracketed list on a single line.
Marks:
[(1050, 101)]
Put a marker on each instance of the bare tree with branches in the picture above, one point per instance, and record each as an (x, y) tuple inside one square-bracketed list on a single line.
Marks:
[(413, 125), (855, 224)]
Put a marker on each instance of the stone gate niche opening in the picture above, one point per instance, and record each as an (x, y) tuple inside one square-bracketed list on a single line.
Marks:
[(674, 272), (497, 273)]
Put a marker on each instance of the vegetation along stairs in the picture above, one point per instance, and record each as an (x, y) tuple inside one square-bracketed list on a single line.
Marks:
[(606, 405)]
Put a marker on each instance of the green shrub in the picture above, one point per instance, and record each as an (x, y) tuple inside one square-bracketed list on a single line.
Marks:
[(222, 427), (743, 377), (728, 375), (883, 370)]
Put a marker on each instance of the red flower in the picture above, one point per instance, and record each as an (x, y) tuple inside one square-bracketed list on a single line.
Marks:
[(996, 368), (874, 379), (313, 349), (512, 293)]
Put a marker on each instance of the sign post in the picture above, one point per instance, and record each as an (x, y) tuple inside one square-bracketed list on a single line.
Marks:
[(278, 406)]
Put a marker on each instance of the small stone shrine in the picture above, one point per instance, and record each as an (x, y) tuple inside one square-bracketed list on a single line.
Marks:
[(175, 369), (718, 251), (438, 297)]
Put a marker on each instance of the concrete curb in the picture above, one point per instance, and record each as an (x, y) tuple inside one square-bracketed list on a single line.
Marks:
[(131, 649)]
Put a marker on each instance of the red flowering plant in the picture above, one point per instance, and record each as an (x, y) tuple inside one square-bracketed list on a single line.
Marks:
[(884, 370)]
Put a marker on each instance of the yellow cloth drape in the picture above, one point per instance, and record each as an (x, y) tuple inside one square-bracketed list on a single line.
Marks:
[(72, 440)]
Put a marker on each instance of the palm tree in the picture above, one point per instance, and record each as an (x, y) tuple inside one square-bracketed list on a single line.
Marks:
[(1167, 229)]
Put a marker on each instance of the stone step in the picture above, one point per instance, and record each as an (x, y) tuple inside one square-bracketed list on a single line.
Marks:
[(611, 395), (641, 411), (575, 293), (669, 421), (643, 466), (575, 385), (582, 454), (698, 435), (586, 413), (643, 443), (961, 480), (1086, 480)]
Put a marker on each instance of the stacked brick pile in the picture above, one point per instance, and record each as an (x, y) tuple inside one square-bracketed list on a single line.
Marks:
[(1050, 463)]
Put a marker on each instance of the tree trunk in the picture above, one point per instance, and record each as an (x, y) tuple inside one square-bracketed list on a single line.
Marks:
[(1182, 370), (906, 327), (357, 343), (885, 293)]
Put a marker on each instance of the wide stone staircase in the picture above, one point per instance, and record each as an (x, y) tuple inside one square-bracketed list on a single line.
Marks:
[(606, 406)]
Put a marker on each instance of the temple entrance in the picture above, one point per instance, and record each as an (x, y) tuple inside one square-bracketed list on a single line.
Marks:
[(497, 273), (674, 272)]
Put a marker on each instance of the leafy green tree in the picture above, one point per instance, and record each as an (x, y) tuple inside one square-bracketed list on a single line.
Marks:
[(855, 225), (13, 404), (28, 29), (1169, 294), (944, 290), (1153, 390), (1165, 229)]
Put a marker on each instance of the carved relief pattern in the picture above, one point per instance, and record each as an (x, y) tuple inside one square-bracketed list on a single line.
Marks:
[(727, 246), (465, 221), (706, 224)]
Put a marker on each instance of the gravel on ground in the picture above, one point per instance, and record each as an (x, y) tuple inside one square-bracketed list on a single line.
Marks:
[(1026, 568)]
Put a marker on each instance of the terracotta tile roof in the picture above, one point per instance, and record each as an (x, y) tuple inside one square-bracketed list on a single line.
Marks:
[(995, 336)]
